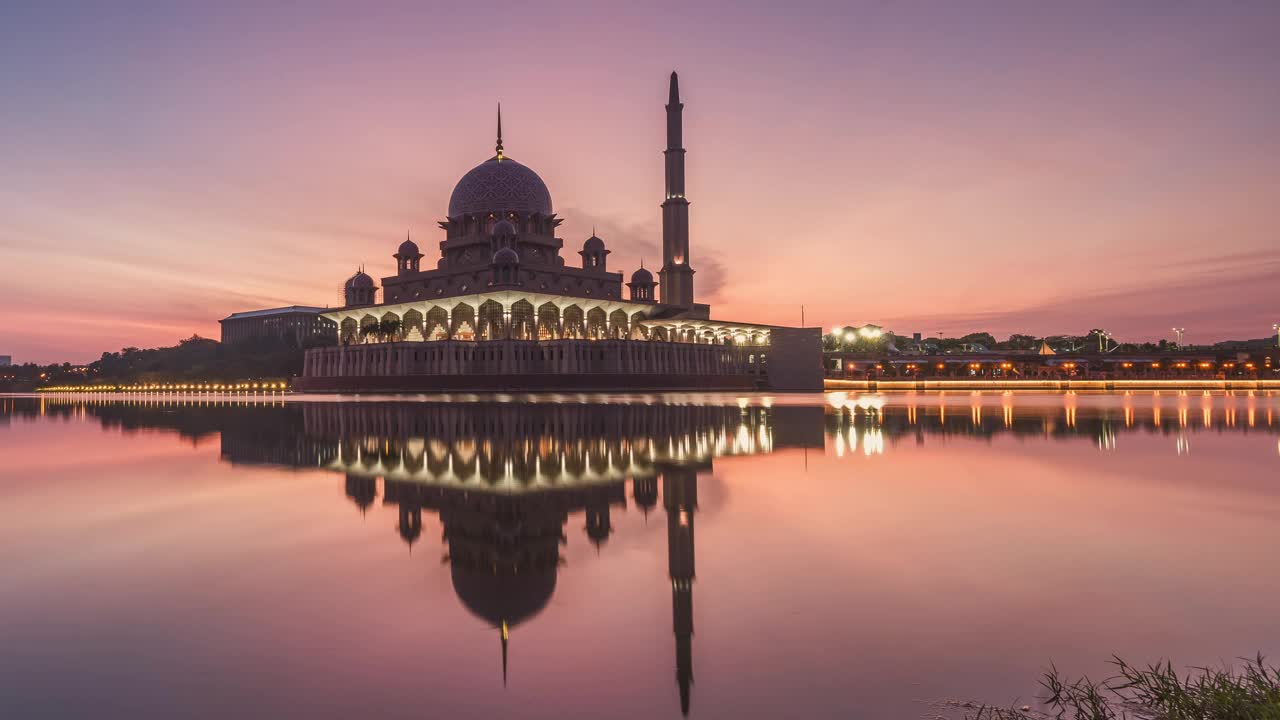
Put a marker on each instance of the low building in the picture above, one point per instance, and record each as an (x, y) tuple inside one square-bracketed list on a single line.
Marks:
[(303, 326), (6, 360)]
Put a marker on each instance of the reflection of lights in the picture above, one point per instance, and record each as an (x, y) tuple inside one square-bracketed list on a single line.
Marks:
[(873, 442), (871, 402), (1183, 446), (1107, 438)]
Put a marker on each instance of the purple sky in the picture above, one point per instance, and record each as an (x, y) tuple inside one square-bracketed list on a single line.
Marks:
[(1012, 167)]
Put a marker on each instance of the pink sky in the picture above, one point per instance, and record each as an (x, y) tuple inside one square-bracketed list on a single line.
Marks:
[(997, 167)]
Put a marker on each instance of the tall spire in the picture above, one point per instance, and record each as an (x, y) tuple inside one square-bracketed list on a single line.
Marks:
[(504, 653), (498, 148), (674, 97)]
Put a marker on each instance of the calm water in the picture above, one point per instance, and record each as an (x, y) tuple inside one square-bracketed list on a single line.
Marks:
[(573, 556)]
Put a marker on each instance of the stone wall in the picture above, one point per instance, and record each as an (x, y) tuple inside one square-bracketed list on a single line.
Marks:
[(795, 359)]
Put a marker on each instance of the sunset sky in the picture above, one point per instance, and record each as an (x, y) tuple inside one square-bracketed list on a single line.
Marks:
[(932, 166)]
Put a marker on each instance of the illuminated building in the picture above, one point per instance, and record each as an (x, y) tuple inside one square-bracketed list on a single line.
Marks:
[(296, 324), (500, 308)]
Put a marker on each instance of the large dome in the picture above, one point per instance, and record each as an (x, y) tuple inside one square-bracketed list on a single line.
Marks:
[(497, 598), (500, 185)]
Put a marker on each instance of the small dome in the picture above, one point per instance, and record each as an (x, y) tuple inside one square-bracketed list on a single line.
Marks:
[(359, 280), (408, 248), (502, 228), (641, 277), (506, 256), (593, 243)]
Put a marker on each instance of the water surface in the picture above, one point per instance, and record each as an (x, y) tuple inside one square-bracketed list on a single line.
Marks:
[(622, 556)]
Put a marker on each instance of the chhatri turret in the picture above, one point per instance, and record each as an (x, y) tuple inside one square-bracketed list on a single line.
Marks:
[(676, 277)]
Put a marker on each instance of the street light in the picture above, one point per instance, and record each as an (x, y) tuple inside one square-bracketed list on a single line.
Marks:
[(1276, 327), (1179, 331)]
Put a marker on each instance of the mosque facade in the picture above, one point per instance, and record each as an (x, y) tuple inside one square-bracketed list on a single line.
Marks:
[(502, 308)]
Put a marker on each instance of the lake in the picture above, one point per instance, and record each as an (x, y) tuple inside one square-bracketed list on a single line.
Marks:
[(614, 556)]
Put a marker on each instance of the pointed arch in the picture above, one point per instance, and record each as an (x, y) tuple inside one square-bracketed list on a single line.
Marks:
[(349, 331), (412, 320), (463, 325), (548, 321), (522, 320), (597, 324), (437, 324), (618, 324), (574, 323), (489, 321)]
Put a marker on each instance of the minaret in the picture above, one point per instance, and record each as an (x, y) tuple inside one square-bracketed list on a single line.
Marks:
[(680, 496), (676, 277)]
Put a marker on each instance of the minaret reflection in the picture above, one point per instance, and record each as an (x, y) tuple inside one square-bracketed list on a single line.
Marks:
[(680, 499)]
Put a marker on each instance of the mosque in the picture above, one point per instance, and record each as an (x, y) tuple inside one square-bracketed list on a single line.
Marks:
[(502, 309)]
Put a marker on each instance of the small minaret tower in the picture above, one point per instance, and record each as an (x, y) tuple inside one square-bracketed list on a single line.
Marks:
[(676, 277)]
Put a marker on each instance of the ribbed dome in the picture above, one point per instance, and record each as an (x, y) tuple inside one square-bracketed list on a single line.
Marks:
[(496, 186), (641, 276), (359, 280), (593, 243), (506, 256), (503, 228)]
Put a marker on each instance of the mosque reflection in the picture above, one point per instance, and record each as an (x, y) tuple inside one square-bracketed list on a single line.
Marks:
[(504, 478)]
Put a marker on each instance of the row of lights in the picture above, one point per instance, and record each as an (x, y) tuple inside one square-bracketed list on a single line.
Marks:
[(176, 387), (1072, 365)]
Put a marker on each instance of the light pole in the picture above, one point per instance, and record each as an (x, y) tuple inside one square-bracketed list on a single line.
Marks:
[(1103, 337), (1276, 327), (1179, 331)]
